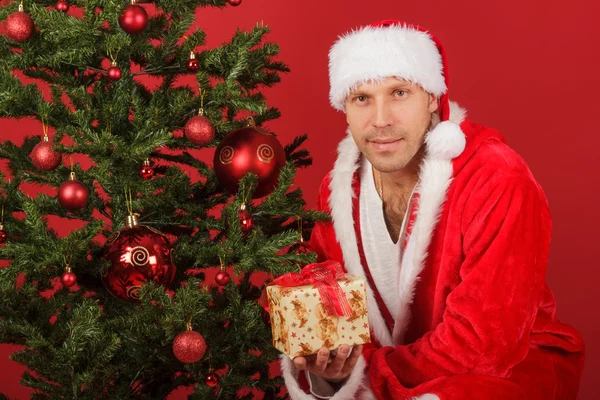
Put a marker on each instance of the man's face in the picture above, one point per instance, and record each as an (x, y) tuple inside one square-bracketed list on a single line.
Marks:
[(388, 121)]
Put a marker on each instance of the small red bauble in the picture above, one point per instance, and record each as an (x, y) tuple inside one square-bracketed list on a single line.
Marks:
[(3, 235), (62, 5), (235, 3), (44, 157), (199, 130), (300, 248), (73, 195), (222, 278), (193, 64), (189, 346), (133, 19), (211, 380), (138, 254), (114, 72), (249, 150), (245, 218), (19, 25), (146, 172), (68, 279)]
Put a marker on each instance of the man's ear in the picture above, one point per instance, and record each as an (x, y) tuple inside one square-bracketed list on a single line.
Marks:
[(433, 103)]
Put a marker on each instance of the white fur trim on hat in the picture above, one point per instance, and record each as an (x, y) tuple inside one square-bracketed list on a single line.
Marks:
[(376, 53)]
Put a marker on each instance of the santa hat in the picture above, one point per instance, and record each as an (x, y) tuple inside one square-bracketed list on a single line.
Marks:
[(385, 49)]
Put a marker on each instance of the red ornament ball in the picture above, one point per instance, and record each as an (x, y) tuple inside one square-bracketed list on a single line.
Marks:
[(133, 19), (114, 72), (199, 130), (62, 6), (193, 65), (246, 220), (19, 26), (44, 157), (146, 172), (300, 248), (138, 254), (222, 278), (68, 279), (3, 236), (211, 380), (73, 195), (235, 3), (249, 150), (189, 347)]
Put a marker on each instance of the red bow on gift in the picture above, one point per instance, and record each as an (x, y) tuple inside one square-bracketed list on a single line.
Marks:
[(324, 276)]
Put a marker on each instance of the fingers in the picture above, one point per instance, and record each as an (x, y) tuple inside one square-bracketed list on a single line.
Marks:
[(300, 363), (352, 360), (338, 362), (322, 360)]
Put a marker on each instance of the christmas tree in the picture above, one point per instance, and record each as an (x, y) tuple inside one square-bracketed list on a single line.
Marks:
[(158, 285)]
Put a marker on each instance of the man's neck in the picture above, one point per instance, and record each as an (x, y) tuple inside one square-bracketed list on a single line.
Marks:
[(405, 179)]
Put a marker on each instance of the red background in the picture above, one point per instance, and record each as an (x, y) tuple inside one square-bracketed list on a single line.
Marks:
[(527, 68)]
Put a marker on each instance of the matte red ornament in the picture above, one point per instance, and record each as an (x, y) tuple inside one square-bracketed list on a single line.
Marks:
[(193, 64), (62, 6), (246, 150), (235, 3), (44, 157), (211, 380), (138, 254), (68, 279), (189, 346), (222, 278), (133, 19), (199, 130), (73, 195), (19, 25), (146, 172), (114, 72)]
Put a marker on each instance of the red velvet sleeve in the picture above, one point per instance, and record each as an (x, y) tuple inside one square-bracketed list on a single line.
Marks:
[(488, 317), (323, 240)]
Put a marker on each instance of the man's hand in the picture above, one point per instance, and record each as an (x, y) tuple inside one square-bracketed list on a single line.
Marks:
[(334, 369)]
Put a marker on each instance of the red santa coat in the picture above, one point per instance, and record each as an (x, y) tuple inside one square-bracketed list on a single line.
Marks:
[(476, 318)]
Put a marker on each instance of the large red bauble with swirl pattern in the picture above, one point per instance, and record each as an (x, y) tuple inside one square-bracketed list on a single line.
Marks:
[(246, 150), (138, 254)]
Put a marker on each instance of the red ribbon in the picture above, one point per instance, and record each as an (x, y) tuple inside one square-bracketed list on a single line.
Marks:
[(324, 276)]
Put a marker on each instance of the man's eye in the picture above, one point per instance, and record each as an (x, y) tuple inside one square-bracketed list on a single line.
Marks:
[(360, 99), (400, 93)]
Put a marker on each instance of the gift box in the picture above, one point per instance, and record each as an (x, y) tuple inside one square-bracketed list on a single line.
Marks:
[(319, 307)]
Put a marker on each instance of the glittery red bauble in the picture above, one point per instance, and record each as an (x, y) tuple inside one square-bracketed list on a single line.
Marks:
[(19, 26), (222, 278), (133, 19), (114, 73), (73, 195), (199, 130), (193, 65), (300, 248), (211, 380), (44, 157), (246, 220), (138, 255), (62, 5), (3, 236), (68, 279), (189, 347), (235, 2), (249, 150)]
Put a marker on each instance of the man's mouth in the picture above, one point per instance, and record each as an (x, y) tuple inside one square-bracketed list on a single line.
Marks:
[(385, 144)]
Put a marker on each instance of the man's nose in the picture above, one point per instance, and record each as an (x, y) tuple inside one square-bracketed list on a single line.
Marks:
[(383, 114)]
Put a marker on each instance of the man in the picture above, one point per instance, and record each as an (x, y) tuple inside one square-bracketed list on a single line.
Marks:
[(450, 230)]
